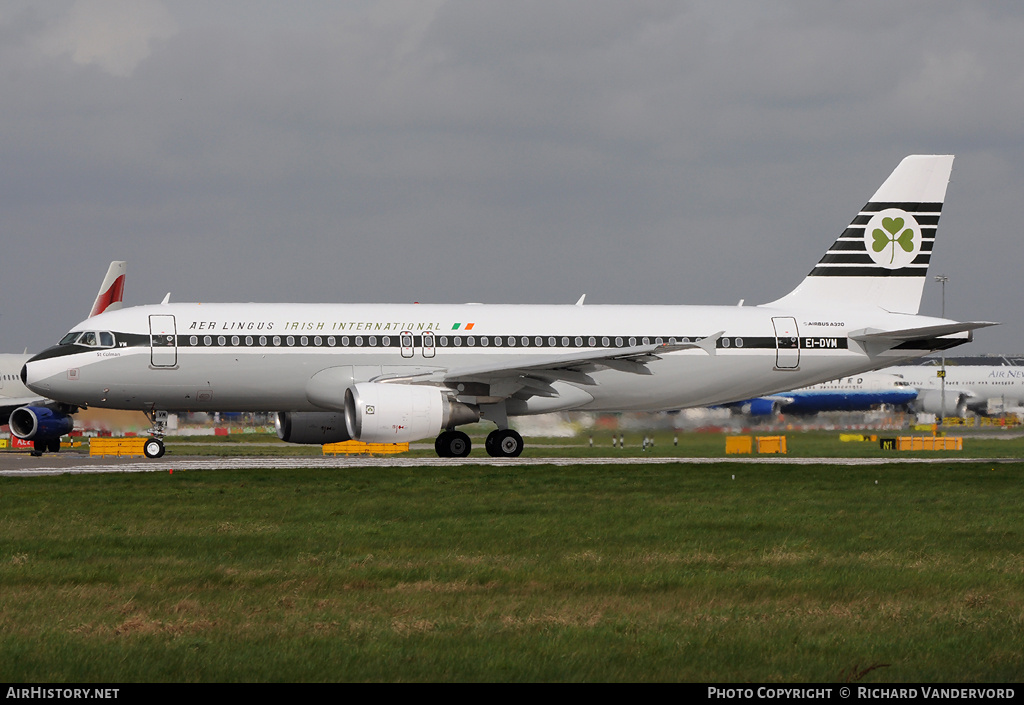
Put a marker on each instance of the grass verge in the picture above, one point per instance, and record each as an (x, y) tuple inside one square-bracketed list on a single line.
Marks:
[(613, 573)]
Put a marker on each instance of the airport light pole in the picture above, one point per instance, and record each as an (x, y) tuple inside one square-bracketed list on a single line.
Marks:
[(942, 279)]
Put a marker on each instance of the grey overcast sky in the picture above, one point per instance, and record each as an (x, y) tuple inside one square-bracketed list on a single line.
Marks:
[(525, 151)]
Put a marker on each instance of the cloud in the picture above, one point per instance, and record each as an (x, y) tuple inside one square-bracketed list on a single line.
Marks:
[(115, 35)]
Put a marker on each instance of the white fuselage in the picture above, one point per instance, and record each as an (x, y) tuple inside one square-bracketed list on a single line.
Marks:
[(301, 357)]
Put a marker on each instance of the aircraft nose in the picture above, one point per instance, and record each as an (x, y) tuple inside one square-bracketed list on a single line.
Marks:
[(28, 378), (34, 375)]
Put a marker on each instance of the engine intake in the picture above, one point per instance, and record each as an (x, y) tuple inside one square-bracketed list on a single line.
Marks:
[(760, 407), (39, 423)]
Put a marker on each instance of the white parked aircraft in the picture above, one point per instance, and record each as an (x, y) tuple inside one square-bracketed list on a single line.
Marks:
[(396, 373), (980, 388), (34, 418)]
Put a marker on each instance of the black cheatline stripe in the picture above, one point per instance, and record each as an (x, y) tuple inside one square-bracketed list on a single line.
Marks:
[(184, 341), (923, 220), (859, 238), (848, 258), (869, 272), (855, 231), (449, 342), (930, 344), (865, 259), (908, 207), (848, 246)]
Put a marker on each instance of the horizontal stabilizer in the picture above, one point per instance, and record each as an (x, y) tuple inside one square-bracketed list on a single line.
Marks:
[(869, 335)]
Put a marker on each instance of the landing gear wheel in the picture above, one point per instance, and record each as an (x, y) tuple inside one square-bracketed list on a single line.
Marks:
[(153, 448), (38, 448), (53, 446), (504, 444), (452, 444)]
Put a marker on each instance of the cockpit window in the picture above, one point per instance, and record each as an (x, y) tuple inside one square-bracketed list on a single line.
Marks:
[(92, 339)]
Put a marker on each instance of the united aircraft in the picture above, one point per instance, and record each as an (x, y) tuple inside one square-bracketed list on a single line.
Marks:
[(403, 372), (862, 392), (31, 417)]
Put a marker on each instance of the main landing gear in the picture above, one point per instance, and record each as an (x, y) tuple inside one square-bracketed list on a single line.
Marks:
[(500, 443), (504, 443), (452, 444), (48, 446)]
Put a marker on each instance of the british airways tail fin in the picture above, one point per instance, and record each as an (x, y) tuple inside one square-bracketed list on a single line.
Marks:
[(111, 294), (881, 259)]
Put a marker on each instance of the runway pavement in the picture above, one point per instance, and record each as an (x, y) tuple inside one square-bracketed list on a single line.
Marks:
[(14, 464)]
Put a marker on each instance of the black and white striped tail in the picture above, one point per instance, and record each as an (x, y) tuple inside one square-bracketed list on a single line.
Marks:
[(882, 258)]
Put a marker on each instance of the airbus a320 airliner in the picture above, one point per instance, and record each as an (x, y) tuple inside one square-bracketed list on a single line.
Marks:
[(397, 373)]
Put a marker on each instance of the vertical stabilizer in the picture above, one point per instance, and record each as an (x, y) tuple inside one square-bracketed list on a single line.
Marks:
[(111, 294), (882, 258)]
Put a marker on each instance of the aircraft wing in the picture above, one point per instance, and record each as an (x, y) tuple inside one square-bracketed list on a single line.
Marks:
[(534, 376)]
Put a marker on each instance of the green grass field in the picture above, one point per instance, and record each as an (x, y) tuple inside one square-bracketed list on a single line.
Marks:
[(719, 573)]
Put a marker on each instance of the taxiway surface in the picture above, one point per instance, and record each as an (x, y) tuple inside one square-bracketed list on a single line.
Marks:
[(14, 464)]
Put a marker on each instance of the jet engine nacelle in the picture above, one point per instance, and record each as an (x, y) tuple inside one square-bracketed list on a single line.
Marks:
[(760, 407), (930, 401), (399, 413), (38, 423), (315, 427)]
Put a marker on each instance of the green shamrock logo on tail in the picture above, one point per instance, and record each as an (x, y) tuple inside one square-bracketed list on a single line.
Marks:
[(889, 238), (892, 238)]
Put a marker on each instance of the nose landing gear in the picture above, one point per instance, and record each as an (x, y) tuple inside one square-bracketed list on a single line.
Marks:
[(154, 446)]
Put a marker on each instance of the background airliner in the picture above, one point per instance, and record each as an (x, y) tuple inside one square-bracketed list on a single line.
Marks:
[(44, 421), (395, 373), (861, 392), (974, 384), (982, 388)]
